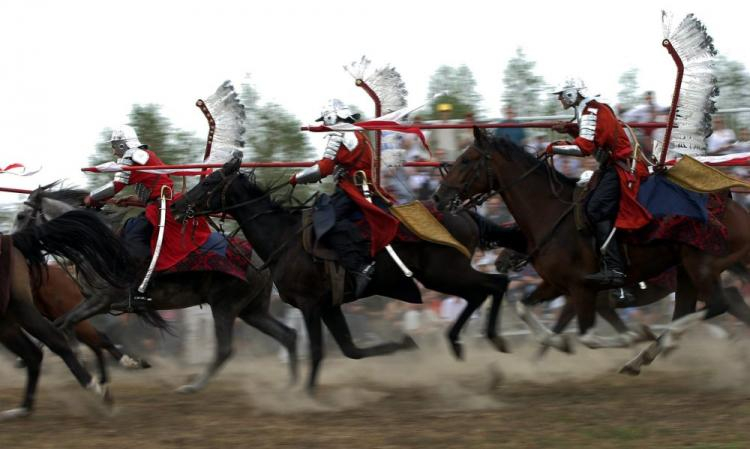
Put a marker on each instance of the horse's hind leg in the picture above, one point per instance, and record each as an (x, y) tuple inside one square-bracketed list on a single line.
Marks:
[(224, 317), (86, 334), (125, 360), (454, 333), (82, 311), (315, 334), (19, 344), (336, 323), (286, 336)]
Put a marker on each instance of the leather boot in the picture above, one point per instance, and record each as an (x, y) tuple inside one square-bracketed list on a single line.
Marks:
[(612, 272), (362, 278)]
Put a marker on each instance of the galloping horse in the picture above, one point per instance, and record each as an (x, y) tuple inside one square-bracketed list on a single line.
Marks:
[(228, 296), (541, 201), (276, 233), (98, 255)]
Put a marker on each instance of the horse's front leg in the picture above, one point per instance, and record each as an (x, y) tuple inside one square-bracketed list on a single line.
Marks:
[(543, 292), (87, 308)]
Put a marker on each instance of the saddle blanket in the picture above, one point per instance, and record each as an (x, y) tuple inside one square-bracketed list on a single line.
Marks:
[(217, 255)]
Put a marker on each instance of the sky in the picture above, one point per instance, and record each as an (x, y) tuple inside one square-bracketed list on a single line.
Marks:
[(73, 68)]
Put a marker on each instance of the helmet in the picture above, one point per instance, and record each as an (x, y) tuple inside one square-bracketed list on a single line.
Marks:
[(336, 110), (124, 138), (569, 90)]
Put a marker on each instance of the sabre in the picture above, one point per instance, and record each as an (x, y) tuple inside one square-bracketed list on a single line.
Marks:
[(159, 237), (366, 190)]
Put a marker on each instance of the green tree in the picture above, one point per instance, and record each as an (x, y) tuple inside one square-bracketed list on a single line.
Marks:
[(273, 134), (734, 89), (522, 88), (628, 94), (458, 88)]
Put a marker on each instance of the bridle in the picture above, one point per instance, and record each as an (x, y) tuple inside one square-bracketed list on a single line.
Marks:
[(483, 166)]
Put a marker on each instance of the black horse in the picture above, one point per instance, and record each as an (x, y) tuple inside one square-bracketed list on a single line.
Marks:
[(100, 258), (276, 233), (228, 296)]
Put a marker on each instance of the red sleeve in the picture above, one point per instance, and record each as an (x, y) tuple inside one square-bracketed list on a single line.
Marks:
[(326, 167)]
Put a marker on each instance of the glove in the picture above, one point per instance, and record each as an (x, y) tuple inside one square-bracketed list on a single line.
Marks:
[(559, 127), (92, 203), (293, 180), (565, 128)]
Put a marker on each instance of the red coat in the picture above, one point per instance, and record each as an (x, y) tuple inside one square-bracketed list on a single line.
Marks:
[(610, 135), (176, 245), (383, 226)]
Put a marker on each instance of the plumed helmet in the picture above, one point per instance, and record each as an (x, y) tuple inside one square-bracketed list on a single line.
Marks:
[(124, 138), (568, 91), (336, 110)]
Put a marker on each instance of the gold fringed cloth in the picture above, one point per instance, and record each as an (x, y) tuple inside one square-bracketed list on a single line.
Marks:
[(691, 174), (424, 225)]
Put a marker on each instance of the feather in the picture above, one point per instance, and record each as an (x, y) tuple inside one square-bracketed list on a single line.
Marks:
[(229, 116), (385, 82)]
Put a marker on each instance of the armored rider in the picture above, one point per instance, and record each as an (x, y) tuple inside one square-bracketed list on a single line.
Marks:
[(345, 154), (140, 233), (612, 203)]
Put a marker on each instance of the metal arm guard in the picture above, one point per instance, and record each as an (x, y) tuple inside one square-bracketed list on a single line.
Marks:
[(567, 150), (308, 175), (104, 192)]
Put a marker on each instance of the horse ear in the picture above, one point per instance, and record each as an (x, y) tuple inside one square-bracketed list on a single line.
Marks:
[(232, 166), (480, 135)]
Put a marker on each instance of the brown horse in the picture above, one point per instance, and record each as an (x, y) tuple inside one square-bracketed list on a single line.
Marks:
[(97, 254), (541, 201), (57, 295)]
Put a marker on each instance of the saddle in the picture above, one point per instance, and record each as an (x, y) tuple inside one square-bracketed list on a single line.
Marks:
[(318, 250)]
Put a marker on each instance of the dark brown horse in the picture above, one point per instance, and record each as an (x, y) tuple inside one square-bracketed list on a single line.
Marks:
[(98, 255), (541, 201), (229, 297), (276, 233), (59, 294)]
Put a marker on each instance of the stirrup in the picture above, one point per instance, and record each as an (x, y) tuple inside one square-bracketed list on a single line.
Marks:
[(623, 297), (607, 278)]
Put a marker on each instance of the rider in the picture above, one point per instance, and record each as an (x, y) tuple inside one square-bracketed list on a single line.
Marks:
[(345, 154), (612, 203), (148, 189)]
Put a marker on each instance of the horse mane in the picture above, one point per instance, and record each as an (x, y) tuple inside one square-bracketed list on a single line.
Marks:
[(515, 152), (70, 196)]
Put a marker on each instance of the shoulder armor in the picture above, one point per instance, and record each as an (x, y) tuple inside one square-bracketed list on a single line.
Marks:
[(350, 141), (138, 156), (588, 124), (333, 145)]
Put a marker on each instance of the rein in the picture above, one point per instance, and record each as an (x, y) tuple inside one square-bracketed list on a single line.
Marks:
[(483, 164)]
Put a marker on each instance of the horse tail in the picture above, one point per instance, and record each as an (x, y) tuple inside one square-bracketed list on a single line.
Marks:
[(81, 237), (153, 318)]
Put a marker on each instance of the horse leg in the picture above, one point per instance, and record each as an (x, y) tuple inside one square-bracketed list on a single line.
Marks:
[(336, 323), (567, 314), (86, 334), (494, 317), (224, 330), (625, 336), (315, 334), (543, 292), (454, 333), (82, 311), (125, 360), (19, 344), (286, 336), (683, 318)]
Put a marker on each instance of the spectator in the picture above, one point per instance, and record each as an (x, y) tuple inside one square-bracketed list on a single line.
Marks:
[(515, 135), (645, 112), (722, 139)]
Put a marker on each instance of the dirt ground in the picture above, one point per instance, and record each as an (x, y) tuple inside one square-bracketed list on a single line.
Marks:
[(699, 397)]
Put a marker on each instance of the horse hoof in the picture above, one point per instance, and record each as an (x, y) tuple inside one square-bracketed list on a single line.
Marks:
[(107, 397), (15, 413), (144, 364), (20, 364), (409, 343), (128, 362), (187, 389), (457, 349), (500, 344), (630, 370)]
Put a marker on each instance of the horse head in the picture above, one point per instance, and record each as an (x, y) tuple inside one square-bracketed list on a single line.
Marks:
[(210, 195), (42, 206), (471, 177)]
